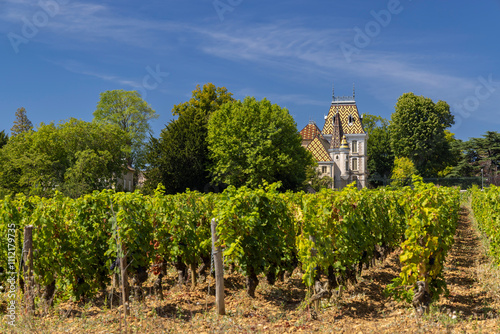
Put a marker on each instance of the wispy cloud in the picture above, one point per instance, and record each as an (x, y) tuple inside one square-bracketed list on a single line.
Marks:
[(282, 44), (77, 23), (385, 74), (317, 51), (285, 47), (80, 68), (281, 99)]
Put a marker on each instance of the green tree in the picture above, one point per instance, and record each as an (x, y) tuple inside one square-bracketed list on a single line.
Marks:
[(204, 100), (254, 142), (480, 153), (403, 172), (488, 149), (418, 133), (316, 181), (4, 138), (22, 123), (466, 155), (132, 114), (74, 157), (454, 155), (371, 122), (179, 159), (380, 155)]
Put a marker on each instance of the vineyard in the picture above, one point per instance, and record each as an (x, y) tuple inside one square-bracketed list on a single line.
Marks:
[(330, 236), (486, 206)]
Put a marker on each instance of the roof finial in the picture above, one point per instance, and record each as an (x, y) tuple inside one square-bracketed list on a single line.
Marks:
[(353, 92), (333, 92)]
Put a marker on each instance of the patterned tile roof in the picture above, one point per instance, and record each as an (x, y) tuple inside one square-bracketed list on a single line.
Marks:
[(336, 131), (345, 110), (318, 148), (310, 131)]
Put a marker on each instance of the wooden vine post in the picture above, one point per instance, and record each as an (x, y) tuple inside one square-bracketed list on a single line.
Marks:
[(122, 257), (314, 289), (219, 271), (124, 279), (28, 267)]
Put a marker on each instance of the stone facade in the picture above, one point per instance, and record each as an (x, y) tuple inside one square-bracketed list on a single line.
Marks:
[(340, 148), (126, 182)]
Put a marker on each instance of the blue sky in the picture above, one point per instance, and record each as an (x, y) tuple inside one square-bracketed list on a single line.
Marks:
[(59, 55)]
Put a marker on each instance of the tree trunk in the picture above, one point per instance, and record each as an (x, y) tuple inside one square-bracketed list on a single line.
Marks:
[(140, 276), (271, 276), (137, 286), (125, 287), (158, 288), (48, 295), (193, 275), (252, 282), (28, 268), (181, 271), (204, 266), (332, 280)]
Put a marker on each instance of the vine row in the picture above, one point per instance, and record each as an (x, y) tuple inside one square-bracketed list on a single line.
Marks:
[(328, 234)]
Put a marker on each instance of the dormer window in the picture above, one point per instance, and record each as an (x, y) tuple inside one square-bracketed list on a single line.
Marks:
[(333, 121), (351, 119)]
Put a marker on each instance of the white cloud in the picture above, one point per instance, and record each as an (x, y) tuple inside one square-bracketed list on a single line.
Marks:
[(76, 23), (309, 51), (298, 99), (280, 48), (79, 68)]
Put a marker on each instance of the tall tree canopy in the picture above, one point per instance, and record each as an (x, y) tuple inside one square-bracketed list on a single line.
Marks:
[(132, 114), (453, 159), (480, 153), (403, 172), (418, 133), (380, 155), (74, 157), (179, 159), (22, 123), (253, 142), (4, 138)]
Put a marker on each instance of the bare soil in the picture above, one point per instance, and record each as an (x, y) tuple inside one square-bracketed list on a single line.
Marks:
[(472, 306)]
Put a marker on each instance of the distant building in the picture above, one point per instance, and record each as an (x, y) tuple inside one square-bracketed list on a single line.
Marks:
[(141, 179), (340, 148), (126, 182)]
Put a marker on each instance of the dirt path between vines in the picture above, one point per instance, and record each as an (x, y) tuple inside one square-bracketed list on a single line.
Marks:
[(471, 307)]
